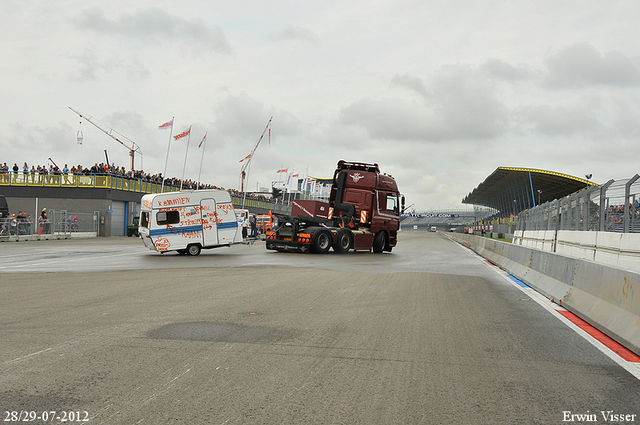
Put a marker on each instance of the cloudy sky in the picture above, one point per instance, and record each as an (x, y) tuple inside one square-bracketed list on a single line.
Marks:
[(439, 94)]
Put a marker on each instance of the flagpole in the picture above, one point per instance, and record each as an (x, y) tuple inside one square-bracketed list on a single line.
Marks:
[(288, 182), (204, 145), (247, 166), (184, 167), (244, 192), (164, 174)]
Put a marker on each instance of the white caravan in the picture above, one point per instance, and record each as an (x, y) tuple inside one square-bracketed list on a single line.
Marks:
[(188, 221)]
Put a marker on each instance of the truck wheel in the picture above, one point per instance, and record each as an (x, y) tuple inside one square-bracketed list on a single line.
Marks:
[(193, 249), (343, 241), (379, 242), (321, 241)]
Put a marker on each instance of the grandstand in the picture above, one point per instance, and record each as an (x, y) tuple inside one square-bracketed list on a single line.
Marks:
[(510, 190)]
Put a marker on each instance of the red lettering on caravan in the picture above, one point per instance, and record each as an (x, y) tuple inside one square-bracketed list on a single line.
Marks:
[(162, 244), (225, 208), (174, 201)]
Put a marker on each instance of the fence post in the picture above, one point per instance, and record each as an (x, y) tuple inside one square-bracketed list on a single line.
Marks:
[(627, 194), (96, 222), (603, 207)]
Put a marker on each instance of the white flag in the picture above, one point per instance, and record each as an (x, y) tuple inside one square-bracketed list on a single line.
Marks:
[(312, 186)]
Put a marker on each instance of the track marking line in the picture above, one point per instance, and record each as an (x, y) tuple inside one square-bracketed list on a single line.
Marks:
[(614, 346), (27, 356), (632, 367), (55, 260)]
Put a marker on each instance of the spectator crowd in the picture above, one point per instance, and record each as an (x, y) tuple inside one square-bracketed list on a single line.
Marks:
[(31, 174), (21, 224)]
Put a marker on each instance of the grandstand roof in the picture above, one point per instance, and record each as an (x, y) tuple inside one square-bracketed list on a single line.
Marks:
[(512, 189)]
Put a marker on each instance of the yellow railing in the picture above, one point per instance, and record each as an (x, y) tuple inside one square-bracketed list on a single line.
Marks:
[(100, 181), (106, 181)]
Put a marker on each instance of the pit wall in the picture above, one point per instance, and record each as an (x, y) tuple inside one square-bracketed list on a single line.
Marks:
[(614, 249), (605, 296)]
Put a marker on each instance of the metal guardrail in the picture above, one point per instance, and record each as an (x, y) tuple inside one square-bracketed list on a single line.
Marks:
[(612, 207), (63, 222), (13, 227), (57, 223)]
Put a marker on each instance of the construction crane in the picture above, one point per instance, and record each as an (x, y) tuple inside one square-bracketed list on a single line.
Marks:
[(133, 146), (244, 171)]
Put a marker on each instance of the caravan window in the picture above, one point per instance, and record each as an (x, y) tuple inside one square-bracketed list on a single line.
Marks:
[(168, 217), (144, 222)]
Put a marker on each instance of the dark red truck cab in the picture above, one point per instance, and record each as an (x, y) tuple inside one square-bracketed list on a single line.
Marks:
[(363, 213)]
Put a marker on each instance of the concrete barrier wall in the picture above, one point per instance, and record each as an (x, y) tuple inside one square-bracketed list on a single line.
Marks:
[(629, 256), (614, 249), (608, 248), (577, 244), (609, 298), (606, 296), (538, 239), (550, 273), (517, 237)]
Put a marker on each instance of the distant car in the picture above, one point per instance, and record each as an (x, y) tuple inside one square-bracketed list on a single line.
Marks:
[(433, 229), (132, 229)]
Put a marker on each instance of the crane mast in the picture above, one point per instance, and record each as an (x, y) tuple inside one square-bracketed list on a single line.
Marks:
[(110, 132), (245, 166)]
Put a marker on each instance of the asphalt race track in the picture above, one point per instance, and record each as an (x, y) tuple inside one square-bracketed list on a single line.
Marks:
[(428, 334)]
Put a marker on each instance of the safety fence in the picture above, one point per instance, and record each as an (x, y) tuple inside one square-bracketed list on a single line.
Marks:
[(57, 223), (612, 207)]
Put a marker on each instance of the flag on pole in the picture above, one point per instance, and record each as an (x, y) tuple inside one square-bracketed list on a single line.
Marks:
[(312, 185), (168, 124), (183, 134), (246, 157), (288, 183), (307, 181), (203, 139), (282, 170)]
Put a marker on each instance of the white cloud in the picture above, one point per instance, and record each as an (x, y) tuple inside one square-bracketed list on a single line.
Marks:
[(559, 120), (438, 94), (154, 26), (581, 65), (457, 104), (294, 33)]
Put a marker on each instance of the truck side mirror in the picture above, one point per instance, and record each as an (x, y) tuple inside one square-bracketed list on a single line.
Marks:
[(402, 203)]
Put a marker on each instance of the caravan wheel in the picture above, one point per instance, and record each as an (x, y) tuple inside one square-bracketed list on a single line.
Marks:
[(193, 249)]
